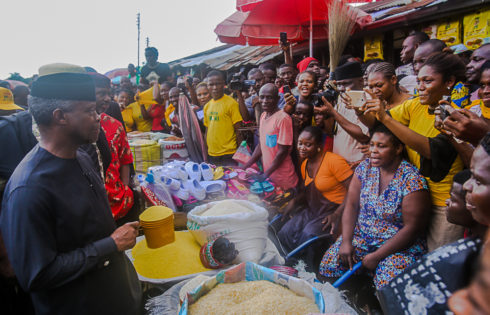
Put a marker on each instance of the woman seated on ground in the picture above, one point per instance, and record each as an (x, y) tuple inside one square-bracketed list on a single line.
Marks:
[(454, 265), (385, 216), (326, 177), (434, 154), (124, 98)]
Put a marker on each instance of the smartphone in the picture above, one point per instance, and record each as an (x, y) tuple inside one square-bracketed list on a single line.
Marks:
[(283, 36), (287, 89), (358, 98), (444, 112), (249, 82)]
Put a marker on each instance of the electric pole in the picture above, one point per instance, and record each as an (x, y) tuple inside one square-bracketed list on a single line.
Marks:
[(138, 25)]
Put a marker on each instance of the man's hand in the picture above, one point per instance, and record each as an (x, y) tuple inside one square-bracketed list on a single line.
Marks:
[(365, 149), (262, 177), (290, 103), (327, 109), (467, 126), (125, 236)]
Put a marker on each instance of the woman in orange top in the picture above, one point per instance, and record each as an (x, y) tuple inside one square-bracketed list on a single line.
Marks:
[(326, 177)]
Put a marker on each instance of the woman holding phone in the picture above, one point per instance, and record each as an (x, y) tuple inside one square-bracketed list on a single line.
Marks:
[(383, 84), (429, 150), (306, 88)]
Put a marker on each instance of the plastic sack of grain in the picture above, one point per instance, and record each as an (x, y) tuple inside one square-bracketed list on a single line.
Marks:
[(241, 221), (252, 272)]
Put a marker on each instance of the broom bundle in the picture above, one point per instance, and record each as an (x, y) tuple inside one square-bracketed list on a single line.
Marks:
[(341, 21)]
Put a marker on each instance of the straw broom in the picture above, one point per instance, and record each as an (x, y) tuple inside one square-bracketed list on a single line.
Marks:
[(341, 21)]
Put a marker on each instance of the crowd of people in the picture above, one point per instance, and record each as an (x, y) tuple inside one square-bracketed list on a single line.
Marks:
[(388, 164)]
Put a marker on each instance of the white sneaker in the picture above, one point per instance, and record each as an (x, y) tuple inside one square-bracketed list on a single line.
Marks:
[(182, 193), (175, 172), (193, 170), (195, 189), (176, 163), (170, 183), (213, 186), (206, 171)]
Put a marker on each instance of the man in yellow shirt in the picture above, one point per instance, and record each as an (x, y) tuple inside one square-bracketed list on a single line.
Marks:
[(222, 119)]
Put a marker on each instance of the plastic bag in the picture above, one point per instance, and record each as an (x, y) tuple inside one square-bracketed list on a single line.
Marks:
[(476, 29), (373, 48), (251, 272), (449, 32), (248, 231)]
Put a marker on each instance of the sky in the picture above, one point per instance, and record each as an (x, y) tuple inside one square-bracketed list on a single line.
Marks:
[(103, 33)]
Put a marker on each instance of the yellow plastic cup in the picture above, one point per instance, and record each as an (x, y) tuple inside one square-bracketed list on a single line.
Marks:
[(158, 226)]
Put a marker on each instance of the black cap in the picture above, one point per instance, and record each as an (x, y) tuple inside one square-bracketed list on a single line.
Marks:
[(100, 80), (348, 70), (65, 86)]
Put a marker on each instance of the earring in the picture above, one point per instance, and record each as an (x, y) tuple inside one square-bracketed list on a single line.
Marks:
[(318, 149)]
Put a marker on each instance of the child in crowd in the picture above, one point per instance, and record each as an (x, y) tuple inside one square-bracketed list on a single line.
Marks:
[(124, 98)]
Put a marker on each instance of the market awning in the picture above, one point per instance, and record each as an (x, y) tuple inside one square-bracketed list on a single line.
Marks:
[(230, 56)]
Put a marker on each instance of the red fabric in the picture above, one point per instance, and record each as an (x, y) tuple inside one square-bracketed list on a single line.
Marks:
[(328, 145), (303, 64), (262, 25), (157, 113), (121, 197), (246, 5)]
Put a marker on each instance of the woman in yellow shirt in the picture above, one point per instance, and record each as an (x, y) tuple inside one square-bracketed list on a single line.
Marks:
[(429, 150)]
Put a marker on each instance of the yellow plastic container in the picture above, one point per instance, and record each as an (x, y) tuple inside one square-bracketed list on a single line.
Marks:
[(158, 225)]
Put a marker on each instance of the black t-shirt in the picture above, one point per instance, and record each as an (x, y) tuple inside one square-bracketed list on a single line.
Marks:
[(56, 224), (161, 72)]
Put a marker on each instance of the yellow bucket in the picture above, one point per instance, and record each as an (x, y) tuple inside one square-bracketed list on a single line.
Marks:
[(158, 225)]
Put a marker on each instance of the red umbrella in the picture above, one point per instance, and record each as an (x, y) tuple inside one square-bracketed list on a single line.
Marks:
[(117, 72), (246, 5), (300, 19)]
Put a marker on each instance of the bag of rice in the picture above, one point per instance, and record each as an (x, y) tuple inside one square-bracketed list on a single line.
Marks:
[(243, 222), (252, 289)]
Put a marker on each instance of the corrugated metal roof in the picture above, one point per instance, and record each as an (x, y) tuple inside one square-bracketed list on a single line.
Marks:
[(409, 7), (382, 5), (230, 57), (390, 15)]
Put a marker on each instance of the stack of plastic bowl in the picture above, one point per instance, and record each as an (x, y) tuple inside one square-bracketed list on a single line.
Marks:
[(158, 225)]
